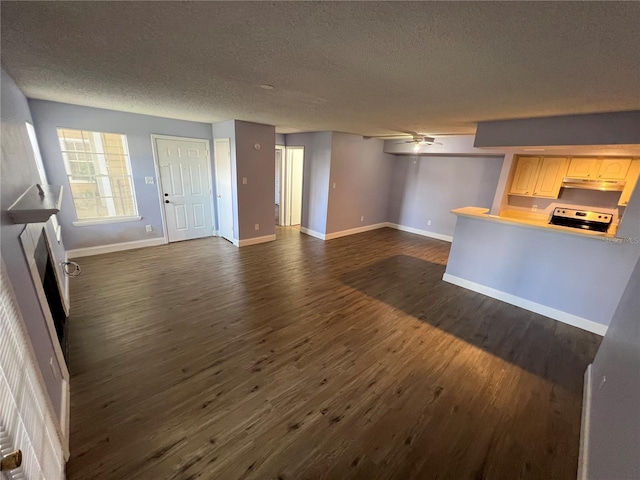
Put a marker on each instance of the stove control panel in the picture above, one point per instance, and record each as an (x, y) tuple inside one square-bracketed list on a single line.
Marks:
[(582, 215)]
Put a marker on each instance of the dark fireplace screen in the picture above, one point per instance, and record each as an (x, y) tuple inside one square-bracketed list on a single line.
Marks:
[(52, 292)]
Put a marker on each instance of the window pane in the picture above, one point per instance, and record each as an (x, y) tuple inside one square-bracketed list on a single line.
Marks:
[(99, 173)]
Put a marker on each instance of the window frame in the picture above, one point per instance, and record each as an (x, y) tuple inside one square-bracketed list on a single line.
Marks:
[(126, 157)]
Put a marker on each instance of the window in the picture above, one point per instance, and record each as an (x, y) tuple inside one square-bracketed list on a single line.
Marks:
[(99, 173), (43, 175)]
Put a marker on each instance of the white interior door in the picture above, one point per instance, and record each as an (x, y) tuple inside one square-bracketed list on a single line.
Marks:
[(27, 420), (224, 186), (185, 175)]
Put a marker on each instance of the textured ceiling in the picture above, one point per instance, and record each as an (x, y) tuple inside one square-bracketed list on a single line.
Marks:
[(368, 68)]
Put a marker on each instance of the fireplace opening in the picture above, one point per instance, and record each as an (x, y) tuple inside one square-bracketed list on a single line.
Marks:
[(46, 271)]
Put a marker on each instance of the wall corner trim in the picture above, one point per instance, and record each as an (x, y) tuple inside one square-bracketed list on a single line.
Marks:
[(312, 233), (114, 247), (553, 313), (585, 423), (254, 241), (424, 233)]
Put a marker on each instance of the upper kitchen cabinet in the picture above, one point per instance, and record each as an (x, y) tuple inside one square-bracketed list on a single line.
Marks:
[(630, 185), (596, 168), (614, 168), (539, 176), (525, 177), (583, 167), (549, 178)]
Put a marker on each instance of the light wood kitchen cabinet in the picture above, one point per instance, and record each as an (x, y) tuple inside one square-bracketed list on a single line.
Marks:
[(614, 168), (525, 177), (631, 180), (596, 168), (549, 179), (583, 167)]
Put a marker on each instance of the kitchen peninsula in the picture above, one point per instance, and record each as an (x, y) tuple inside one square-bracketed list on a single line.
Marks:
[(513, 253)]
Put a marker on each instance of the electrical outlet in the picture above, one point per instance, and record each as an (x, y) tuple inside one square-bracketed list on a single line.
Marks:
[(149, 180), (429, 222), (257, 227), (534, 208), (148, 228), (362, 218)]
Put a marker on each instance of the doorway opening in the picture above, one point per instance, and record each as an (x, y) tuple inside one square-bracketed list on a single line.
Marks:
[(289, 185), (224, 187)]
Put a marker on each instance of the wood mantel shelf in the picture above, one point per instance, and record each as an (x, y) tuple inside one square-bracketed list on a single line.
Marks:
[(36, 206)]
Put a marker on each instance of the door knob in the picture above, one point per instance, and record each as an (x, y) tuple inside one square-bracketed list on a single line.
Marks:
[(166, 201), (11, 461), (166, 194)]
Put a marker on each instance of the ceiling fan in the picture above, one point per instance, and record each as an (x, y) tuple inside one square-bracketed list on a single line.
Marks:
[(416, 138), (422, 140)]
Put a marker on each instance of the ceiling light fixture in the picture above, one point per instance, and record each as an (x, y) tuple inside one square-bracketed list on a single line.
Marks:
[(266, 86)]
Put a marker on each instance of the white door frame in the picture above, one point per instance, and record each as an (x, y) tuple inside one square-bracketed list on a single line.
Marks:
[(283, 160), (156, 165), (285, 201)]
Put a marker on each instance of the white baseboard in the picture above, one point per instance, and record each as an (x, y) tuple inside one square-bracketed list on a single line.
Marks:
[(313, 233), (417, 231), (585, 424), (254, 241), (375, 226), (559, 315), (353, 231), (114, 247)]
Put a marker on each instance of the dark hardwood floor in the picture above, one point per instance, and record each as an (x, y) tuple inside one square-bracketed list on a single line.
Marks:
[(304, 359)]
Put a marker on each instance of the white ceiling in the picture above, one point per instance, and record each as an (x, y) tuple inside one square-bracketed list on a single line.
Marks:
[(367, 68)]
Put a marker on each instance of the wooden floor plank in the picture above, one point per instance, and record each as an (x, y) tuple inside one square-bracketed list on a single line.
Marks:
[(304, 359)]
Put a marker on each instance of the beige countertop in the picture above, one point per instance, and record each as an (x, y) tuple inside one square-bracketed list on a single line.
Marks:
[(532, 220)]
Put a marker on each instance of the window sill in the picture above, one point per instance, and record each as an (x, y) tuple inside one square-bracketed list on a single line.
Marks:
[(103, 221)]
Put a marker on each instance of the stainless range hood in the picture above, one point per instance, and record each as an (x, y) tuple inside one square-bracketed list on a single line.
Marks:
[(601, 185)]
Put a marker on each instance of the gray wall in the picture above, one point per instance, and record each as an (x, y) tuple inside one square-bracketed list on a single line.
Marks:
[(614, 427), (361, 173), (595, 129), (19, 172), (280, 139), (428, 188), (317, 167), (577, 275), (138, 129), (255, 199)]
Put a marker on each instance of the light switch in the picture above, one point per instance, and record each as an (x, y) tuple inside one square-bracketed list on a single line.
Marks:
[(149, 180), (334, 184), (244, 180)]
